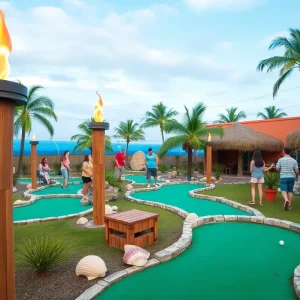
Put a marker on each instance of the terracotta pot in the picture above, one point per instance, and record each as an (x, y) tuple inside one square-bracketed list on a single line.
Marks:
[(270, 195)]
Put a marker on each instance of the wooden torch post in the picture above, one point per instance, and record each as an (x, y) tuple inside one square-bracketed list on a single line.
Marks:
[(33, 162), (208, 162), (98, 146), (11, 94)]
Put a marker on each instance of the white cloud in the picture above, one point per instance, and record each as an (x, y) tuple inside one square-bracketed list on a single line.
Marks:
[(202, 5), (74, 3), (225, 45)]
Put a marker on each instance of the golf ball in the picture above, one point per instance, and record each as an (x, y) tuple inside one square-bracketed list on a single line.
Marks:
[(281, 243)]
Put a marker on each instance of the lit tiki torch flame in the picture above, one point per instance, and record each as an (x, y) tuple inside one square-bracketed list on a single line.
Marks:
[(98, 113), (5, 47)]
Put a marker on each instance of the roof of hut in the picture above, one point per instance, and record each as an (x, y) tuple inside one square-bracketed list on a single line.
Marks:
[(293, 139), (240, 137)]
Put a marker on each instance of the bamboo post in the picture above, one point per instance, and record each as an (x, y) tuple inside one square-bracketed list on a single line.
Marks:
[(33, 162), (11, 94), (98, 144), (208, 163)]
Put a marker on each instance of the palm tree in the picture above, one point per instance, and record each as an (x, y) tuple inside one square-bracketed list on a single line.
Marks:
[(271, 112), (231, 116), (191, 134), (288, 62), (84, 140), (159, 116), (38, 108), (129, 131)]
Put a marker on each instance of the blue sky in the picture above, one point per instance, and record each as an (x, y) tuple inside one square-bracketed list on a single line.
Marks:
[(137, 53)]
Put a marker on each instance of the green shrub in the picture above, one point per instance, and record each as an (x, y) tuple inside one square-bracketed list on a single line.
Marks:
[(163, 168), (15, 179), (25, 168), (112, 180), (271, 180), (200, 166), (78, 168), (218, 170), (43, 253), (56, 168)]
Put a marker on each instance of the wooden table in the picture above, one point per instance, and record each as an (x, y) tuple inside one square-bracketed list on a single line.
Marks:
[(133, 227)]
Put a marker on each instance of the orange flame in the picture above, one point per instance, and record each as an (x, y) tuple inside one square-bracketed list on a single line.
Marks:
[(5, 47), (98, 113)]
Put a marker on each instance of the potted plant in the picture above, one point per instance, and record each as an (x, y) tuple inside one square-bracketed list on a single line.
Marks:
[(272, 182)]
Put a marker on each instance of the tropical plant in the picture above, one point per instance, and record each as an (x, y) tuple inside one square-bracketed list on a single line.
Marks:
[(15, 179), (163, 168), (288, 62), (271, 112), (78, 168), (129, 131), (84, 140), (231, 116), (42, 253), (191, 134), (160, 115), (38, 108), (218, 170), (112, 179), (271, 180), (25, 168)]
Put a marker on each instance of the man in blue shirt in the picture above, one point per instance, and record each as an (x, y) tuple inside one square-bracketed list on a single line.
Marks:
[(151, 165)]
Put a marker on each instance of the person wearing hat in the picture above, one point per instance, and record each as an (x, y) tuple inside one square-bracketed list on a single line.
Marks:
[(120, 163), (151, 165)]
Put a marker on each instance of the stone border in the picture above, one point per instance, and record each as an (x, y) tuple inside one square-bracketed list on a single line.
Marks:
[(297, 281), (33, 199), (133, 182)]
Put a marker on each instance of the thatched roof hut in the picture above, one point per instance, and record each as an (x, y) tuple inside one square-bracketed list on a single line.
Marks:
[(242, 138), (293, 139)]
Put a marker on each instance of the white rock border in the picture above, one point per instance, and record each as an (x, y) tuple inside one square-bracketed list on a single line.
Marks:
[(133, 182)]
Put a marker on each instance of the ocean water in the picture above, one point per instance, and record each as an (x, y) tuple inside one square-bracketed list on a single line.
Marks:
[(49, 147)]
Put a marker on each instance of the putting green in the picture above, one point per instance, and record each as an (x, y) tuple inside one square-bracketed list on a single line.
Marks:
[(178, 196), (72, 179), (226, 261), (140, 179), (51, 207), (72, 189)]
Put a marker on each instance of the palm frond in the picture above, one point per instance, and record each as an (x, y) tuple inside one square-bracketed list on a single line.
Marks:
[(281, 79), (45, 122)]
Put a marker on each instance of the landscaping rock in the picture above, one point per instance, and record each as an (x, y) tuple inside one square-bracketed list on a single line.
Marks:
[(137, 161)]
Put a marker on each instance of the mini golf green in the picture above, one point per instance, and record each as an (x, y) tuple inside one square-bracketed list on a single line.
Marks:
[(140, 179), (72, 189), (226, 261), (51, 207), (178, 195), (72, 179)]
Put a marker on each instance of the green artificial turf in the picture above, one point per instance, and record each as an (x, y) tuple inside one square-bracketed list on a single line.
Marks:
[(84, 242), (72, 189), (140, 179), (177, 195), (239, 261), (242, 193), (51, 207), (72, 179)]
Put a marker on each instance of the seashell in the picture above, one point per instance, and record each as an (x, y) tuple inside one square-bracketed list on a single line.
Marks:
[(17, 202), (192, 178), (135, 256), (114, 208), (82, 221), (167, 181), (84, 200), (91, 266), (29, 186), (129, 187), (108, 209), (191, 216)]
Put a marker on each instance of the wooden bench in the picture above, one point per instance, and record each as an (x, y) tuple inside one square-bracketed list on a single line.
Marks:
[(133, 227)]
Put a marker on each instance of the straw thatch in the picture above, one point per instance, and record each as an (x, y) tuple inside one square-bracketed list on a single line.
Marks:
[(242, 138), (293, 139)]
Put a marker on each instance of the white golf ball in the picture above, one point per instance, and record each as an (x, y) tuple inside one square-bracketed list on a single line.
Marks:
[(281, 243)]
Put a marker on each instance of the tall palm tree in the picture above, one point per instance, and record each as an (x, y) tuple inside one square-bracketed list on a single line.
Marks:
[(38, 108), (288, 62), (160, 115), (231, 116), (84, 140), (271, 112), (129, 131), (191, 134)]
